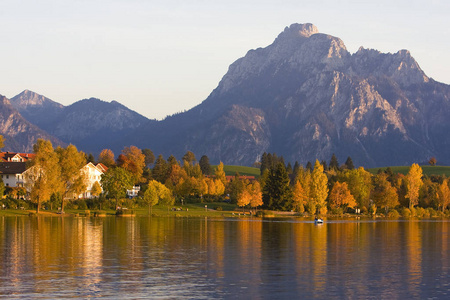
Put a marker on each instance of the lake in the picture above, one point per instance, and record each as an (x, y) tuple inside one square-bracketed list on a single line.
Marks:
[(198, 258)]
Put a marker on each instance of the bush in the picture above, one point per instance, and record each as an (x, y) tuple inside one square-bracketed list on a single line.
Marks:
[(265, 213), (337, 211), (393, 214), (406, 212), (219, 208)]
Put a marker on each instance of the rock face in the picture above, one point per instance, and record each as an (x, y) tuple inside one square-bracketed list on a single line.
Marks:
[(90, 124), (306, 97), (20, 135)]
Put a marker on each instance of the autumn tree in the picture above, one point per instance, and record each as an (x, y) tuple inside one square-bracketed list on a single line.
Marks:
[(256, 195), (189, 157), (299, 197), (384, 194), (443, 195), (220, 174), (115, 182), (319, 187), (340, 196), (235, 187), (155, 193), (2, 142), (42, 179), (432, 161), (72, 178), (133, 162), (413, 184), (244, 197), (304, 179), (96, 189), (359, 182), (2, 188), (106, 157)]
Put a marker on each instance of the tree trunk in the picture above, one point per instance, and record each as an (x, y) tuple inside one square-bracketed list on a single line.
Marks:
[(38, 206)]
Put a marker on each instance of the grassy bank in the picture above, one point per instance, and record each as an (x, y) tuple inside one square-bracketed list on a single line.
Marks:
[(427, 170), (242, 170)]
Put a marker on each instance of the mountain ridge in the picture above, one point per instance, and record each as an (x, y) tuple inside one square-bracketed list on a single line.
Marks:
[(305, 96)]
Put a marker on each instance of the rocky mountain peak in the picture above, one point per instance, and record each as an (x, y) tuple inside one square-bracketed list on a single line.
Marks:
[(29, 98), (298, 30)]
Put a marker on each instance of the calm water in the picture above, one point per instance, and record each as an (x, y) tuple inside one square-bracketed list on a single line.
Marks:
[(53, 257)]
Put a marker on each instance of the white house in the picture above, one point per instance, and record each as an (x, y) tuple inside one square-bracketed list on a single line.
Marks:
[(93, 174), (12, 173)]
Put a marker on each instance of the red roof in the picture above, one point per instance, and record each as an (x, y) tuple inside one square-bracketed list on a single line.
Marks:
[(8, 156)]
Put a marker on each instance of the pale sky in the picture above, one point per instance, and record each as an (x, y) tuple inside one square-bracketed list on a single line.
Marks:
[(163, 57)]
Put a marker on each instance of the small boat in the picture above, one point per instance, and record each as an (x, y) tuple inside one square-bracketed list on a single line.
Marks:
[(318, 221)]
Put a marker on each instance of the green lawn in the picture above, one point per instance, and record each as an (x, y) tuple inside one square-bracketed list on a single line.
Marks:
[(427, 170), (242, 170)]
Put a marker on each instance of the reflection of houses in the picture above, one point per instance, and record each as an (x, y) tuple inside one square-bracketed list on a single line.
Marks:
[(12, 167), (93, 173)]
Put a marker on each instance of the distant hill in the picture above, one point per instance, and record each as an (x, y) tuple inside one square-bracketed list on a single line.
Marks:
[(90, 124), (20, 135)]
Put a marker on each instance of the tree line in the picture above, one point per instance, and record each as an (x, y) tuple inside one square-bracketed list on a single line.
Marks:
[(313, 189)]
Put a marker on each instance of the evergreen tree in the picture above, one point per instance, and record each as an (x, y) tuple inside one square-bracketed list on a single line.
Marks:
[(204, 165), (277, 194), (90, 158), (149, 156), (289, 168), (309, 166), (334, 164), (324, 164), (296, 169), (160, 169), (172, 161), (265, 163), (349, 163)]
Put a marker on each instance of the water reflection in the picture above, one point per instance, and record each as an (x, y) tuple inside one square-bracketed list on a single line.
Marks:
[(55, 257)]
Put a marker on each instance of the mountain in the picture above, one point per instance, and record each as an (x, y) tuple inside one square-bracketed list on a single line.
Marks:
[(36, 108), (20, 135), (306, 97), (90, 124)]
